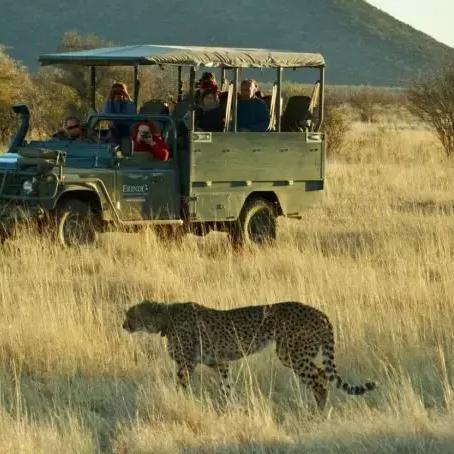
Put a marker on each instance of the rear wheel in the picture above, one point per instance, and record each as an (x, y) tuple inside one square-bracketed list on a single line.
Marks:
[(77, 223), (257, 224)]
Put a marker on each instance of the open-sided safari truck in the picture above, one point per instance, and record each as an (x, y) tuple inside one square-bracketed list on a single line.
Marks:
[(233, 181)]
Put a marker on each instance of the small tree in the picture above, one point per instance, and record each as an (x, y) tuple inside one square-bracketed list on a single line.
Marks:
[(15, 87), (336, 126), (52, 102), (432, 100), (155, 83), (365, 101)]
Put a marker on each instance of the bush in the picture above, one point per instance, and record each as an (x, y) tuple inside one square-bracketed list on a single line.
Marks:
[(52, 103), (432, 100), (335, 126), (15, 87)]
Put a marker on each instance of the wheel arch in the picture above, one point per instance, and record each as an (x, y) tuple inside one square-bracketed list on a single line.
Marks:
[(84, 194), (269, 196)]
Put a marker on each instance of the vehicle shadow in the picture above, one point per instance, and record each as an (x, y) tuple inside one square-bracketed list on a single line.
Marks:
[(101, 404), (352, 244), (329, 444), (425, 207)]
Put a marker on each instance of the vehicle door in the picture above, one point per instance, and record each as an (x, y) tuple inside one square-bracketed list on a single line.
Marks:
[(147, 189)]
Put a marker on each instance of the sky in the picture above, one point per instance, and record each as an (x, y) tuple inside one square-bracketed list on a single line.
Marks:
[(434, 17)]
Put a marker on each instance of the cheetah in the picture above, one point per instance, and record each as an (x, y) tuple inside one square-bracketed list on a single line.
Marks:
[(200, 335)]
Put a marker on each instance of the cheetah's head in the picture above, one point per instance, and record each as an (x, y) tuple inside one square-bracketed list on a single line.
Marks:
[(146, 316)]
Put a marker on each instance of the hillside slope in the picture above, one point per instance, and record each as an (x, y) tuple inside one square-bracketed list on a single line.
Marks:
[(361, 43)]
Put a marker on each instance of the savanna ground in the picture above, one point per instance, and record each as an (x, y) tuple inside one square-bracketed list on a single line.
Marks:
[(377, 257)]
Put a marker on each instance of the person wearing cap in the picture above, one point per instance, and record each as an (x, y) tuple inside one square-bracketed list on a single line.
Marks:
[(207, 83)]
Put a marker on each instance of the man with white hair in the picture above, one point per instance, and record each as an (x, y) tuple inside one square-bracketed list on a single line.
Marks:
[(252, 114)]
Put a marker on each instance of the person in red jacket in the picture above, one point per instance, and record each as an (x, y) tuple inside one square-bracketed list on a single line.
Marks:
[(146, 137)]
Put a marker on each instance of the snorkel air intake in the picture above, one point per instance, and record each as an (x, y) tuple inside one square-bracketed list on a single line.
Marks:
[(24, 116)]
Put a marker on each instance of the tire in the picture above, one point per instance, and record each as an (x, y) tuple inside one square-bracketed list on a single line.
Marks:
[(76, 223), (256, 225)]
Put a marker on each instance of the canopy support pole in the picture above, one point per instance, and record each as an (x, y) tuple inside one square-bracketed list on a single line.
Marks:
[(192, 96), (235, 99), (192, 83), (93, 87), (136, 85), (222, 78), (278, 99), (321, 108), (180, 84)]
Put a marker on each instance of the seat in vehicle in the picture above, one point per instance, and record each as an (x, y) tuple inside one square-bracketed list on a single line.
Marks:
[(155, 107), (296, 114)]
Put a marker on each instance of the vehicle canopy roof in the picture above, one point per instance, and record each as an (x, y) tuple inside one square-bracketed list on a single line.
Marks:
[(212, 57)]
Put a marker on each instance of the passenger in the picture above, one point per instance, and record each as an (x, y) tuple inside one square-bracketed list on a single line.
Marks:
[(206, 83), (252, 112), (209, 115), (72, 130), (147, 138), (119, 101)]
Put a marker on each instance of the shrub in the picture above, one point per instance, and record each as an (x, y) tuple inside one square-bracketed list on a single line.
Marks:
[(15, 87), (432, 100), (52, 103), (365, 102), (336, 125)]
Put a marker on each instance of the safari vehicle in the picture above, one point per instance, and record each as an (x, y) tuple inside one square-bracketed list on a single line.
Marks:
[(232, 181)]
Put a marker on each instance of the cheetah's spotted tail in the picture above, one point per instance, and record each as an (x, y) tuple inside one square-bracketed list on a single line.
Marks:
[(329, 366)]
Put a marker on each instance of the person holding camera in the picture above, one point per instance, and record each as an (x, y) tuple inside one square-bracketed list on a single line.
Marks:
[(119, 101), (146, 137)]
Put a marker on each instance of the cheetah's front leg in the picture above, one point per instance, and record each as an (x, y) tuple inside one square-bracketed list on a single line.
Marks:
[(177, 346), (224, 373), (184, 372)]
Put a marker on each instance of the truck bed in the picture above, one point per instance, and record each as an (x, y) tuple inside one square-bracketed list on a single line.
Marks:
[(225, 168)]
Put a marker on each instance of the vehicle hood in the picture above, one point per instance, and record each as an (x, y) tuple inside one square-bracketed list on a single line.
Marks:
[(8, 161)]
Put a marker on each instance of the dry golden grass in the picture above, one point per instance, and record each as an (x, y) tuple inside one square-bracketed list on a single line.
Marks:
[(377, 257)]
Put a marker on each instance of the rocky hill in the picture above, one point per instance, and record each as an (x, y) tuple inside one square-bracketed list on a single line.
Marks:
[(362, 44)]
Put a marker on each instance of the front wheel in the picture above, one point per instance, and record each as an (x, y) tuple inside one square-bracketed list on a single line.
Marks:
[(77, 223), (257, 224)]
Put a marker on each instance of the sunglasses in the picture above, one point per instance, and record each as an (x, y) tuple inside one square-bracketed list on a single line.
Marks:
[(69, 128)]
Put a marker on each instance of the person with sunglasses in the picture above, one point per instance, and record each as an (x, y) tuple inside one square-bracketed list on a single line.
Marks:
[(72, 130)]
